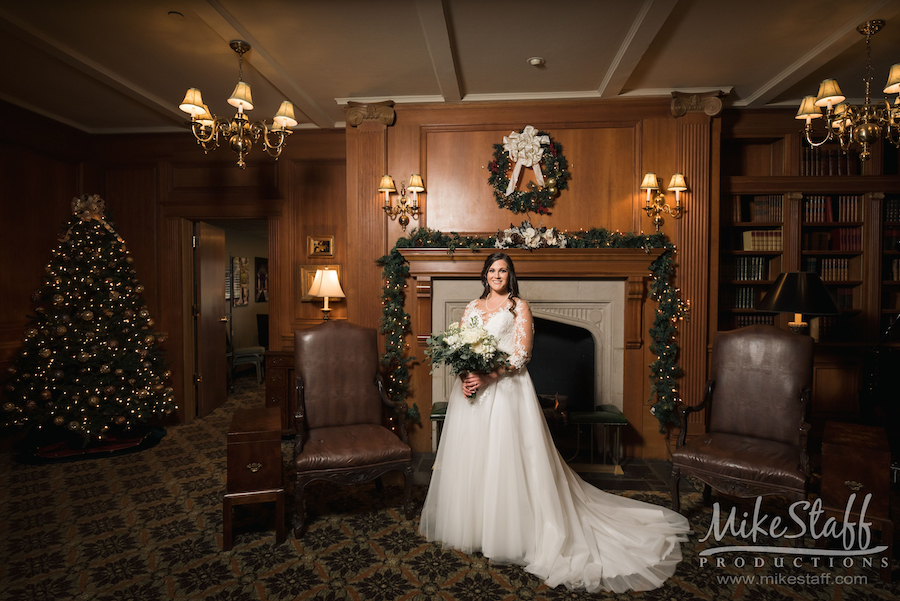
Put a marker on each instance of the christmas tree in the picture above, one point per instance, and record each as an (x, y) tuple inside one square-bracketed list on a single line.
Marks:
[(91, 362)]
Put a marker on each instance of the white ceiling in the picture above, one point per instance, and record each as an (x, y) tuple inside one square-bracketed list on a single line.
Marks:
[(114, 66)]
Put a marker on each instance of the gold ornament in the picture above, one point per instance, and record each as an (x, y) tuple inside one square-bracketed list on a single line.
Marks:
[(45, 352), (31, 405), (31, 332), (94, 401), (60, 330), (87, 315), (58, 299), (59, 420), (120, 420), (73, 426), (144, 313), (104, 369), (139, 289), (9, 407), (45, 395), (83, 356)]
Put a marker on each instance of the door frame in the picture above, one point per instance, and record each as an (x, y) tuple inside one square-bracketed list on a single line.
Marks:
[(177, 281)]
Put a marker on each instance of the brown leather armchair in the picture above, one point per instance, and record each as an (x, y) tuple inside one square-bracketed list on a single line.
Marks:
[(756, 432), (341, 412)]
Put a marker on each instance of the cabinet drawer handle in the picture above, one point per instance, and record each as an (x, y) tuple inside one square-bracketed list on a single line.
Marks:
[(853, 485), (254, 467)]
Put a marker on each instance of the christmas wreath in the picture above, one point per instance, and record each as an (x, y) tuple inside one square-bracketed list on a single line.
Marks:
[(528, 148)]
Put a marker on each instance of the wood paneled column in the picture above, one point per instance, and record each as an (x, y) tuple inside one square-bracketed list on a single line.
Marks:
[(366, 230), (697, 142)]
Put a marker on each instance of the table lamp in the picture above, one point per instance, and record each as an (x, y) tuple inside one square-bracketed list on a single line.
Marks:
[(801, 293), (326, 285)]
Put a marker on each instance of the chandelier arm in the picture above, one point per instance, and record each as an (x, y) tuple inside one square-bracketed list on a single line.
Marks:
[(807, 131)]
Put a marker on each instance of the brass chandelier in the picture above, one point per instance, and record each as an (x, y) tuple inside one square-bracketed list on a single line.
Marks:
[(851, 124), (239, 131)]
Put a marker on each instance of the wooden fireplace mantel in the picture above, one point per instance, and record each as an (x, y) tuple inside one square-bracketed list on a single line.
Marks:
[(641, 438), (628, 264)]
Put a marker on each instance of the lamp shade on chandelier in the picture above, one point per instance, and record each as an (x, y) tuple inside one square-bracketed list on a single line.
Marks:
[(850, 124), (239, 132)]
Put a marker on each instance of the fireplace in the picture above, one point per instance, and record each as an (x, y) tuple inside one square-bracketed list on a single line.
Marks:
[(561, 309), (602, 290)]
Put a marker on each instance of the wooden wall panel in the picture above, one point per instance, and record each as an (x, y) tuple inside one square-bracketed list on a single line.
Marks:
[(36, 194), (601, 192), (131, 203), (318, 198)]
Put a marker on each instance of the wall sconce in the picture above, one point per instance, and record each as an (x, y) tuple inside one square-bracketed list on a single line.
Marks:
[(326, 285), (405, 208), (658, 205)]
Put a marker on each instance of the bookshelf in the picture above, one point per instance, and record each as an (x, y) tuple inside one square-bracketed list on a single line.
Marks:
[(832, 214)]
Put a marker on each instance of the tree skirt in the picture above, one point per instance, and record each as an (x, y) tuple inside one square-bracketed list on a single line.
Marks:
[(53, 448)]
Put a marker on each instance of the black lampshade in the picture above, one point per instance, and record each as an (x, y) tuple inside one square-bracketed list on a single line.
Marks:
[(798, 292)]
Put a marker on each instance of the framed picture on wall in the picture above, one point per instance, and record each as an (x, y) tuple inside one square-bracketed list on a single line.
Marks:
[(308, 274), (320, 246), (262, 279), (240, 278)]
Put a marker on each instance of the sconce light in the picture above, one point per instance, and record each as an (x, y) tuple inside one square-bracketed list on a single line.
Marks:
[(326, 285), (658, 204), (405, 208)]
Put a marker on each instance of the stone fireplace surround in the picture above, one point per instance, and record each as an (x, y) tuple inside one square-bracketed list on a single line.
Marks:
[(598, 306), (605, 289)]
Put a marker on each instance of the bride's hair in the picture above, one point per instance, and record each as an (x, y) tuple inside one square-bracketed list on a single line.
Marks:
[(512, 283)]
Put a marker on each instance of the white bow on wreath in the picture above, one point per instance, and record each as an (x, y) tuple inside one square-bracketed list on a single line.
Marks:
[(526, 150)]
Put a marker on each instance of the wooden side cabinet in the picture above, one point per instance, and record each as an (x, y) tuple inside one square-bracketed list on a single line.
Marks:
[(280, 387), (857, 459), (254, 467)]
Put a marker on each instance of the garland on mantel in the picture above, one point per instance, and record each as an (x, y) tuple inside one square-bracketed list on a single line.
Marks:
[(395, 321)]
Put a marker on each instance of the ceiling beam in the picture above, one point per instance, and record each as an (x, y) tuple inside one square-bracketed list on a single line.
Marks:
[(840, 40), (440, 49), (644, 29), (92, 69), (226, 25)]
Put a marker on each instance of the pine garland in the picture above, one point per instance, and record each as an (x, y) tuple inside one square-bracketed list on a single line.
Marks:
[(395, 322)]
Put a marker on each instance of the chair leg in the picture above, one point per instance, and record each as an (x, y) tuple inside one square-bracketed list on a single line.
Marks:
[(707, 494), (407, 491), (676, 500), (299, 509)]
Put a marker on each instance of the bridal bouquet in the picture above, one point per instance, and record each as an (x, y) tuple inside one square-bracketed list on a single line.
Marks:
[(465, 348)]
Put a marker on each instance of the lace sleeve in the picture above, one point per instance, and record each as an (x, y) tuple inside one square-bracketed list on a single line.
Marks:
[(467, 314), (524, 336)]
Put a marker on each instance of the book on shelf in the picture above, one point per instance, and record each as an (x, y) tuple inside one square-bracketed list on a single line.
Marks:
[(891, 238), (892, 209), (845, 238), (761, 240), (741, 321), (828, 161)]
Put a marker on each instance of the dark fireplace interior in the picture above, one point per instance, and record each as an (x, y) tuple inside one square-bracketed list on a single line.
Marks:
[(562, 364)]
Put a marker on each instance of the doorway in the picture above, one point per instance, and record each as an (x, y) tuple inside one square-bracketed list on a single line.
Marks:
[(230, 305)]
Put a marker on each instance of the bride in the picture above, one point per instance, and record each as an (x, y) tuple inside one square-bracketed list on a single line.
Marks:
[(500, 487)]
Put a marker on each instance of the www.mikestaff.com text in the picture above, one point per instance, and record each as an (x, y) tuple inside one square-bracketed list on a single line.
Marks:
[(793, 579)]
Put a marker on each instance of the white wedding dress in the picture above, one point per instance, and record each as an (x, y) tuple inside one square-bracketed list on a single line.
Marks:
[(500, 487)]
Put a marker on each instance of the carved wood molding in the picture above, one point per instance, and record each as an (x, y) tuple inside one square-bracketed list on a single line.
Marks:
[(631, 265), (380, 112), (709, 103)]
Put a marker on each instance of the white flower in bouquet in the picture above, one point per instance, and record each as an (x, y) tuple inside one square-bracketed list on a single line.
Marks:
[(469, 348)]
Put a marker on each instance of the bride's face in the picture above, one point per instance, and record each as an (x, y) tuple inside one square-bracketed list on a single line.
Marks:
[(498, 277)]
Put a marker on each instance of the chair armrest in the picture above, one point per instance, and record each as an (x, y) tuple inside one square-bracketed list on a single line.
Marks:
[(299, 417), (400, 409), (682, 411)]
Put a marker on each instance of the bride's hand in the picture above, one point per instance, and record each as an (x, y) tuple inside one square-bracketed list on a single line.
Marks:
[(474, 382)]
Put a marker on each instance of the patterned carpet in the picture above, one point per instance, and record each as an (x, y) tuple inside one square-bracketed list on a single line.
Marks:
[(148, 526)]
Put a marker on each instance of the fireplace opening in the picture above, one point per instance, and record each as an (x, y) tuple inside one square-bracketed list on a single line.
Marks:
[(562, 369), (562, 363)]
